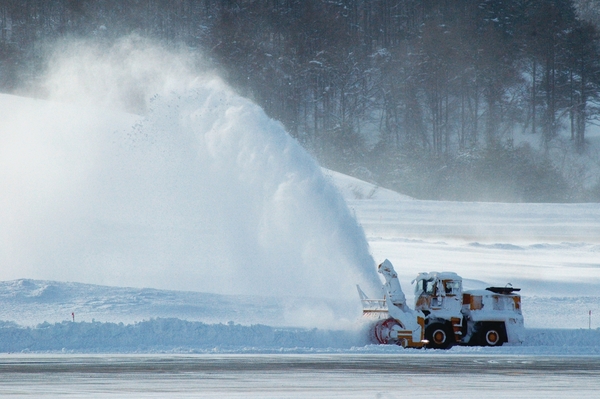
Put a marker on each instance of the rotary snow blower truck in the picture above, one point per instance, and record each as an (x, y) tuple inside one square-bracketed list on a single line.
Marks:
[(444, 314)]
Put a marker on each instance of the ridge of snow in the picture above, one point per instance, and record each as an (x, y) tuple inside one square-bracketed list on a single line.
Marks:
[(181, 336)]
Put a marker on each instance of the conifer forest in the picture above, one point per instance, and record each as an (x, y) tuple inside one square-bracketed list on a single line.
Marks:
[(471, 100)]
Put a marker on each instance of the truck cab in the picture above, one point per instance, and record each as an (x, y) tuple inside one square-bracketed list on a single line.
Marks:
[(438, 292), (439, 296)]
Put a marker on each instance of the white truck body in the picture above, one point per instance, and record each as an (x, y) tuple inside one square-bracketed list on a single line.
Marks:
[(444, 315)]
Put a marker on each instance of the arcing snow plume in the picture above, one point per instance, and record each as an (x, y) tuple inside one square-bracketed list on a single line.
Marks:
[(123, 76), (204, 192)]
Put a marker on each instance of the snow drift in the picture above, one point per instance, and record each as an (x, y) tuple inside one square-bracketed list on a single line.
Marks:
[(182, 336)]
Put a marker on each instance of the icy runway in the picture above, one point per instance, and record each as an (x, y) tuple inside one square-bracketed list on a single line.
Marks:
[(298, 376)]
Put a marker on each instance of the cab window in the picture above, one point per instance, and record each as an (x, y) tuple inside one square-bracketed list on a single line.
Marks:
[(452, 287), (430, 287)]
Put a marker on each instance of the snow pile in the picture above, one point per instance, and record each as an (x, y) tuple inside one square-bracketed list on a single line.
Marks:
[(31, 302), (203, 193), (175, 335), (168, 335), (564, 338)]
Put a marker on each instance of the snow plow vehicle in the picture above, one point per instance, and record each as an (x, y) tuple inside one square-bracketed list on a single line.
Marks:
[(444, 314)]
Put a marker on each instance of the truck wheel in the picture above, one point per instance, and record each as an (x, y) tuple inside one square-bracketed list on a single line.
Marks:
[(438, 336), (492, 336)]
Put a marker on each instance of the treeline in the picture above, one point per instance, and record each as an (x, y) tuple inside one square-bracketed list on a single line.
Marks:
[(426, 97)]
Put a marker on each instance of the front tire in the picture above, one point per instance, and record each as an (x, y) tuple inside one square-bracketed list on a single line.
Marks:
[(439, 336)]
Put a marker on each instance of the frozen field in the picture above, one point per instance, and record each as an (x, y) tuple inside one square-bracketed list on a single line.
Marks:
[(551, 251)]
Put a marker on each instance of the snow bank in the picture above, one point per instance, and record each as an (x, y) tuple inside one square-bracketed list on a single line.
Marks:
[(175, 335), (168, 335)]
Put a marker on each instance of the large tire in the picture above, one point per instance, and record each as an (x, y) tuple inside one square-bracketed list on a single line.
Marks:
[(439, 336), (492, 335)]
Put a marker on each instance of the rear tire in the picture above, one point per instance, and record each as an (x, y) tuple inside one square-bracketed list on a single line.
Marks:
[(492, 335), (439, 336)]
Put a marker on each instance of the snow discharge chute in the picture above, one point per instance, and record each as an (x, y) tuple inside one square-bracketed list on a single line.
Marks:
[(397, 323)]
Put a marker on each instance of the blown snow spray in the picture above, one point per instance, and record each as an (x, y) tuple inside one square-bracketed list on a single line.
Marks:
[(201, 192)]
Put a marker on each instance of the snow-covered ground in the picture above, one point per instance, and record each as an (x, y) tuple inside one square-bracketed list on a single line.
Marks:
[(548, 250)]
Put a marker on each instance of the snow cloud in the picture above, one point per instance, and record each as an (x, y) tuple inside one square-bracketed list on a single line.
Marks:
[(194, 189)]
